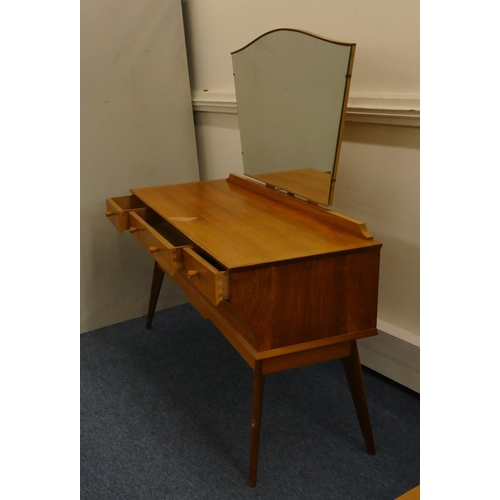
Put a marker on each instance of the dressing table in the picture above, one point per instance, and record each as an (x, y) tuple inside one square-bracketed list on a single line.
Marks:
[(287, 281)]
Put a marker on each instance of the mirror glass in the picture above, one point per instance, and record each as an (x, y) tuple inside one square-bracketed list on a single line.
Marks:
[(291, 93)]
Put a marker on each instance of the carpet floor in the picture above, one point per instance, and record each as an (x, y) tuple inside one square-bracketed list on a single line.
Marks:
[(166, 413)]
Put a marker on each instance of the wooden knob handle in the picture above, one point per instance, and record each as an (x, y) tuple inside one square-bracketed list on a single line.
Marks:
[(133, 229), (109, 214), (153, 249), (190, 274)]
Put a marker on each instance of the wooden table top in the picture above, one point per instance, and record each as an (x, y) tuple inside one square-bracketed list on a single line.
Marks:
[(241, 228)]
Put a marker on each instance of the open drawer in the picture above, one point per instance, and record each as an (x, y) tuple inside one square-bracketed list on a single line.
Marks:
[(160, 239), (174, 253), (212, 282), (119, 208)]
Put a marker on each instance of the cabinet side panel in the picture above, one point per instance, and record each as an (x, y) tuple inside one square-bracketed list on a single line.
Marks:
[(252, 298), (362, 279), (310, 300)]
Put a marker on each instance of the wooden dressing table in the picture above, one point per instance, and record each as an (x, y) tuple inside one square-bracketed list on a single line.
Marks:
[(288, 284)]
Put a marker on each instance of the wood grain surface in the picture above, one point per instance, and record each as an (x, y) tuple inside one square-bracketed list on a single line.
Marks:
[(241, 228), (298, 302)]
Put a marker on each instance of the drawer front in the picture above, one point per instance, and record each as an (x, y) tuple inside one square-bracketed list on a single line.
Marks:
[(208, 280), (168, 256), (119, 208)]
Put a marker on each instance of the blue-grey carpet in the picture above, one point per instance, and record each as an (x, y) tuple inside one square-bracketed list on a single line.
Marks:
[(166, 412)]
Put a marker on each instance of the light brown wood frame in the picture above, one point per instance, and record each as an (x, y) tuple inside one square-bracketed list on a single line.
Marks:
[(348, 77)]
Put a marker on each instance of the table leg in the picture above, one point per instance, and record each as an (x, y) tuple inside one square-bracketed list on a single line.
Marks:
[(258, 395), (354, 374), (158, 275)]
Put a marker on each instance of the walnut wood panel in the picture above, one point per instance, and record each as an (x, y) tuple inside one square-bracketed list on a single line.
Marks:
[(309, 300), (361, 292), (315, 344), (236, 331), (241, 228), (305, 358)]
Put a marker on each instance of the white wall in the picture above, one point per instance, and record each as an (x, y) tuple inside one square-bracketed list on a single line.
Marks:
[(379, 183), (386, 33), (136, 130), (378, 176)]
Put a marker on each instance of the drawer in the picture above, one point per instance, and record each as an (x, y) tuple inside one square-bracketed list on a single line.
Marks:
[(213, 283), (164, 242), (118, 210)]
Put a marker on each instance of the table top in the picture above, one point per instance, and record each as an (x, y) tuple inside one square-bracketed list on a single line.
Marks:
[(241, 228)]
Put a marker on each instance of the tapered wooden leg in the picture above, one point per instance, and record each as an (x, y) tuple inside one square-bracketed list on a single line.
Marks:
[(258, 395), (354, 374), (158, 275)]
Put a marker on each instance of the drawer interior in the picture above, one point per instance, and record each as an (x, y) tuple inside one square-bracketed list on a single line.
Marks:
[(176, 237), (129, 203), (165, 229), (210, 259), (118, 210)]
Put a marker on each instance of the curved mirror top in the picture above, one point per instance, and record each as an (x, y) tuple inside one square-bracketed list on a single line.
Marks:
[(291, 92)]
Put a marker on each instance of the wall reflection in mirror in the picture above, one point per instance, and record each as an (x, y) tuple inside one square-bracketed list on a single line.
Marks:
[(291, 92)]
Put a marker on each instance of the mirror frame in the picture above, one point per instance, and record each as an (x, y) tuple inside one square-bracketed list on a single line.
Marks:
[(334, 168)]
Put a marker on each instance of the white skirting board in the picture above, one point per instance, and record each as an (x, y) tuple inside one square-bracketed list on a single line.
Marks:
[(393, 353)]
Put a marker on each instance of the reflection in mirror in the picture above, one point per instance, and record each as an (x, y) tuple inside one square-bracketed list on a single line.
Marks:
[(291, 91)]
